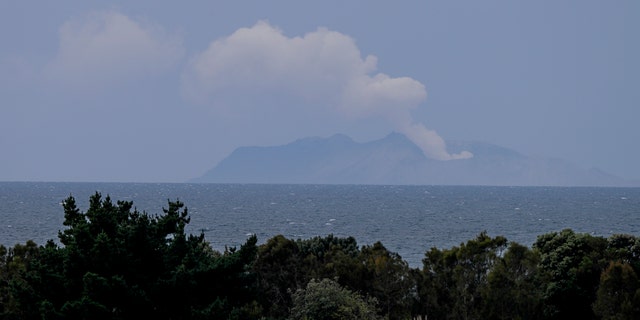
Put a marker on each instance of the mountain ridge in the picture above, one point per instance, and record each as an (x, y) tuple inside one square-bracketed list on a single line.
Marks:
[(395, 159)]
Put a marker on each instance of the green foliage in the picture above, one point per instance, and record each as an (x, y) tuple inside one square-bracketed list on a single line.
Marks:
[(15, 291), (330, 257), (456, 278), (284, 266), (389, 281), (113, 262), (333, 258), (118, 263), (624, 248), (513, 290), (570, 268), (618, 296), (327, 300), (278, 268)]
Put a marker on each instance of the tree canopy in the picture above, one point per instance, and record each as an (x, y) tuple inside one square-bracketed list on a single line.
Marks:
[(114, 262), (119, 263)]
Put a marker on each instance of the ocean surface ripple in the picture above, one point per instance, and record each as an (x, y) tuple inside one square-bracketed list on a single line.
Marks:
[(408, 220)]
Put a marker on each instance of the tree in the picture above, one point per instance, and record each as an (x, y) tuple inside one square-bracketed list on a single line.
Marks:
[(618, 295), (118, 263), (512, 286), (624, 248), (570, 268), (458, 277), (124, 261), (389, 282), (278, 269), (15, 291), (326, 299), (333, 258)]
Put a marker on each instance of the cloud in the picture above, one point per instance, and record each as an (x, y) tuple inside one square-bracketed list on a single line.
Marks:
[(261, 59), (107, 47), (323, 70)]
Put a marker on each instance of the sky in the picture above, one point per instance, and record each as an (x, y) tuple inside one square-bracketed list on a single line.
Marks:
[(148, 91)]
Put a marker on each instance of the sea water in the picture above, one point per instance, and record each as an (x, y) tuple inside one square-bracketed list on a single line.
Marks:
[(408, 220)]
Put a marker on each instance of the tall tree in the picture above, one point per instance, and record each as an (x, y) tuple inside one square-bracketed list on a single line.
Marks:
[(279, 271), (618, 296), (513, 290), (458, 277), (570, 268), (390, 281), (118, 263)]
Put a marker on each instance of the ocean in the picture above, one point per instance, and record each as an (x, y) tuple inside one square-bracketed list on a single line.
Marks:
[(408, 220)]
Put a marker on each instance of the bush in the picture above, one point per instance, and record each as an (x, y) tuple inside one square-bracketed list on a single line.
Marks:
[(327, 300)]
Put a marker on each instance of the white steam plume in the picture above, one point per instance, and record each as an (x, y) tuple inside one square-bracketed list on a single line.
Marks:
[(324, 69), (431, 143)]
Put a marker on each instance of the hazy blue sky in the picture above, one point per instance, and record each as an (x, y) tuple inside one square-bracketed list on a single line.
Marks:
[(154, 91)]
